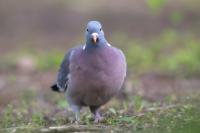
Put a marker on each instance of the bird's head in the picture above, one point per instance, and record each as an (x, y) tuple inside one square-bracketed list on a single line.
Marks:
[(94, 34)]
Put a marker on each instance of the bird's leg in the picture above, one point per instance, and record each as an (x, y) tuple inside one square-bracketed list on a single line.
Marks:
[(98, 117), (76, 110)]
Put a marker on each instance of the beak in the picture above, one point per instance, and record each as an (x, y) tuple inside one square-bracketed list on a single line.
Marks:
[(94, 37)]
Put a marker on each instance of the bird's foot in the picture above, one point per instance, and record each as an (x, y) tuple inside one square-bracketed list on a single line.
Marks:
[(98, 119), (77, 122), (74, 121)]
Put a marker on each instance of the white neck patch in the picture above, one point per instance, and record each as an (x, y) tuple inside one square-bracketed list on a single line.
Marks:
[(109, 44), (84, 47)]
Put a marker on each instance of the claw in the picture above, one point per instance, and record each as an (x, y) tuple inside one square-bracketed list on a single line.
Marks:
[(98, 119), (76, 122)]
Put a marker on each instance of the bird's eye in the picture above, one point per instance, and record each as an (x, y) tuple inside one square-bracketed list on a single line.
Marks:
[(87, 30), (100, 29)]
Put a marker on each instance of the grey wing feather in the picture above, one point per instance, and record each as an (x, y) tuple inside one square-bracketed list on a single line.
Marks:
[(62, 78)]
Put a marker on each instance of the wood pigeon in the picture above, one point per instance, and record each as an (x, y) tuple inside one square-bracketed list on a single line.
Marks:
[(91, 74)]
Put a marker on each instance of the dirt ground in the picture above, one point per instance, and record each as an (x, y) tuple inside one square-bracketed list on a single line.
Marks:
[(151, 86)]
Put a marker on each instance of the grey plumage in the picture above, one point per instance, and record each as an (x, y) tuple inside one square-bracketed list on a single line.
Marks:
[(91, 74), (62, 77)]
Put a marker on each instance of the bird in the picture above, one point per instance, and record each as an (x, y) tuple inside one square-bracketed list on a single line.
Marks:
[(92, 73)]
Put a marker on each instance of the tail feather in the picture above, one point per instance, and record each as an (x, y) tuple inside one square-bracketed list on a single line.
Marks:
[(54, 87)]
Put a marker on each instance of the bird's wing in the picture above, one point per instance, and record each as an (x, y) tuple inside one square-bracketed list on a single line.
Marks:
[(62, 77)]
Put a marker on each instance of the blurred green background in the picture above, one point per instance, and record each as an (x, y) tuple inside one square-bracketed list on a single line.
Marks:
[(160, 38), (156, 35)]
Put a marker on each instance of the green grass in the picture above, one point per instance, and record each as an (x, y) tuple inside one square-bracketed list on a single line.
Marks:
[(156, 5), (180, 116)]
